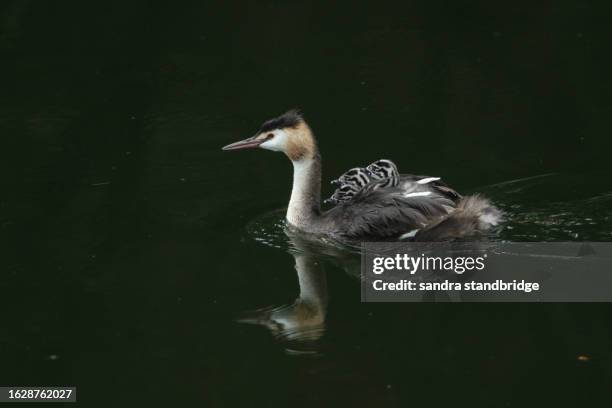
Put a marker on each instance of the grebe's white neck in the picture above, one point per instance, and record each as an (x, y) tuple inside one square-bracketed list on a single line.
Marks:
[(304, 204)]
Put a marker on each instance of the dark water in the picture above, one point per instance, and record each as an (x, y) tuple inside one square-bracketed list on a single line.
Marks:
[(134, 251)]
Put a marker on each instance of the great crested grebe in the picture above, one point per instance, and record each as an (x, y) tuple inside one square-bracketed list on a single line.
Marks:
[(417, 207)]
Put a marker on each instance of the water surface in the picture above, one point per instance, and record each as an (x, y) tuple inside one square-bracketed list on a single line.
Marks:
[(134, 250)]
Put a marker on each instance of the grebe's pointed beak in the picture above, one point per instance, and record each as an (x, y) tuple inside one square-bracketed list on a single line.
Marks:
[(249, 143)]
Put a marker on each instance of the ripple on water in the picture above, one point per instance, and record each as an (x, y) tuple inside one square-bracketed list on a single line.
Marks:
[(588, 219), (272, 230), (269, 229)]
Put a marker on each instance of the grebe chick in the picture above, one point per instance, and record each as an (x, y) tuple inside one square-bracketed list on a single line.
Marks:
[(349, 184), (343, 193), (419, 207), (354, 180), (386, 170), (357, 176)]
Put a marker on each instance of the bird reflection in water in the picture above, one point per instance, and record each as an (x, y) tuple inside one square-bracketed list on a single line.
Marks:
[(299, 325)]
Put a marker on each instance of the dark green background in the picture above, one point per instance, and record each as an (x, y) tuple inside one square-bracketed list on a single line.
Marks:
[(125, 256)]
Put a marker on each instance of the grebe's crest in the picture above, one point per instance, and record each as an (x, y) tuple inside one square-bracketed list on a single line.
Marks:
[(289, 119)]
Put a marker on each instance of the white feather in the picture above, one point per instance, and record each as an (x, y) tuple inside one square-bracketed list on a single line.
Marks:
[(417, 194), (489, 219), (409, 234), (428, 180), (302, 173), (277, 143)]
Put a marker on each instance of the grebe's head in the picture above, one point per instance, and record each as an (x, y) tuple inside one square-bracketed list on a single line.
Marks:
[(288, 133)]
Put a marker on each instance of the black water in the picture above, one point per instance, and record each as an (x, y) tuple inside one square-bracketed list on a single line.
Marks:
[(134, 250)]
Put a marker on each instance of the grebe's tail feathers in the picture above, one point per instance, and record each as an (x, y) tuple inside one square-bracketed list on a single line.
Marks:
[(474, 215)]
